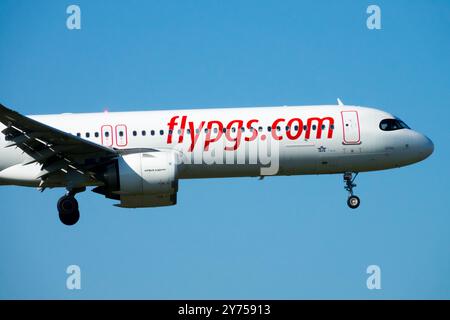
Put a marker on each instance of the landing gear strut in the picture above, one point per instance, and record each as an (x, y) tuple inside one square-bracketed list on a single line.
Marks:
[(352, 201), (68, 207)]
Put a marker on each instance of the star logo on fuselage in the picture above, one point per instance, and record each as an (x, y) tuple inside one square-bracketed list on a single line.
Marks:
[(322, 149)]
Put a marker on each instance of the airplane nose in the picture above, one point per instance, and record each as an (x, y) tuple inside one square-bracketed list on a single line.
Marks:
[(426, 147)]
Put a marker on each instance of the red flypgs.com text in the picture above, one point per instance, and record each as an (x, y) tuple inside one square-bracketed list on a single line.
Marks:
[(237, 130)]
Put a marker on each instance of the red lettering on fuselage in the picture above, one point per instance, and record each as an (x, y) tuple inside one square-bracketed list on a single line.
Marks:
[(320, 122), (252, 129), (234, 130), (195, 133), (218, 130), (297, 128), (275, 127)]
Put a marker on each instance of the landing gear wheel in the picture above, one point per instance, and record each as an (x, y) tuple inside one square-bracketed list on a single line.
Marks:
[(68, 210), (353, 202)]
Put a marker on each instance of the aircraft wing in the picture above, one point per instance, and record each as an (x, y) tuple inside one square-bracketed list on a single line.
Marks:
[(57, 151)]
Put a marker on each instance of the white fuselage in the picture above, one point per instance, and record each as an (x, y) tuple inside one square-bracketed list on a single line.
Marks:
[(309, 140)]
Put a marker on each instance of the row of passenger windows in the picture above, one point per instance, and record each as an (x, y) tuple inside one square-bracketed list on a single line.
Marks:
[(215, 130)]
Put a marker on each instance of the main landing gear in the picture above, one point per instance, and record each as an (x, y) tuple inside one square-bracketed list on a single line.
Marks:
[(352, 201), (68, 207)]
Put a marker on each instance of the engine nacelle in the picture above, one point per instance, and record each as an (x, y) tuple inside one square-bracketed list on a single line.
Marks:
[(147, 179)]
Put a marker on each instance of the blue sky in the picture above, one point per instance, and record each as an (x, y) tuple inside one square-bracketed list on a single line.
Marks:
[(280, 238)]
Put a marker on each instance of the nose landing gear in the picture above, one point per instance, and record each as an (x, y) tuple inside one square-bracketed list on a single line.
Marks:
[(352, 201), (68, 207)]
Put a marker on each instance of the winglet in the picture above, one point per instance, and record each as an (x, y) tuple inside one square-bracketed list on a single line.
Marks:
[(339, 102)]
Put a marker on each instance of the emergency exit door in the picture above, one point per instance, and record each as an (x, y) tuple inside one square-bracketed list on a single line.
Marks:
[(350, 123)]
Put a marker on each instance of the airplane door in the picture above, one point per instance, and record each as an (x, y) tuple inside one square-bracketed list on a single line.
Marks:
[(350, 123), (107, 136), (121, 135)]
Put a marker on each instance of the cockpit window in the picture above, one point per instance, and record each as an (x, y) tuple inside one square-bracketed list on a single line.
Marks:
[(392, 124)]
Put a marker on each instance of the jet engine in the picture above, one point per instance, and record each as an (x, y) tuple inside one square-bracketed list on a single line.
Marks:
[(145, 179)]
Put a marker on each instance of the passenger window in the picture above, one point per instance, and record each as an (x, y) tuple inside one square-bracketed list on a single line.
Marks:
[(78, 134), (152, 132), (120, 133), (96, 134), (88, 134), (135, 133), (161, 132), (144, 132)]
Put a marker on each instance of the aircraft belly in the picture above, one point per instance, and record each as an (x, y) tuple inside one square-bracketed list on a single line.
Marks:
[(193, 171)]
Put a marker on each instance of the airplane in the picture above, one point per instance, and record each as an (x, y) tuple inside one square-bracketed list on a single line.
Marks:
[(137, 158)]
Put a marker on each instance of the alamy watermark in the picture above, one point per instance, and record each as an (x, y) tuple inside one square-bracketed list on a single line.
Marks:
[(374, 280), (373, 21), (73, 21), (73, 281)]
